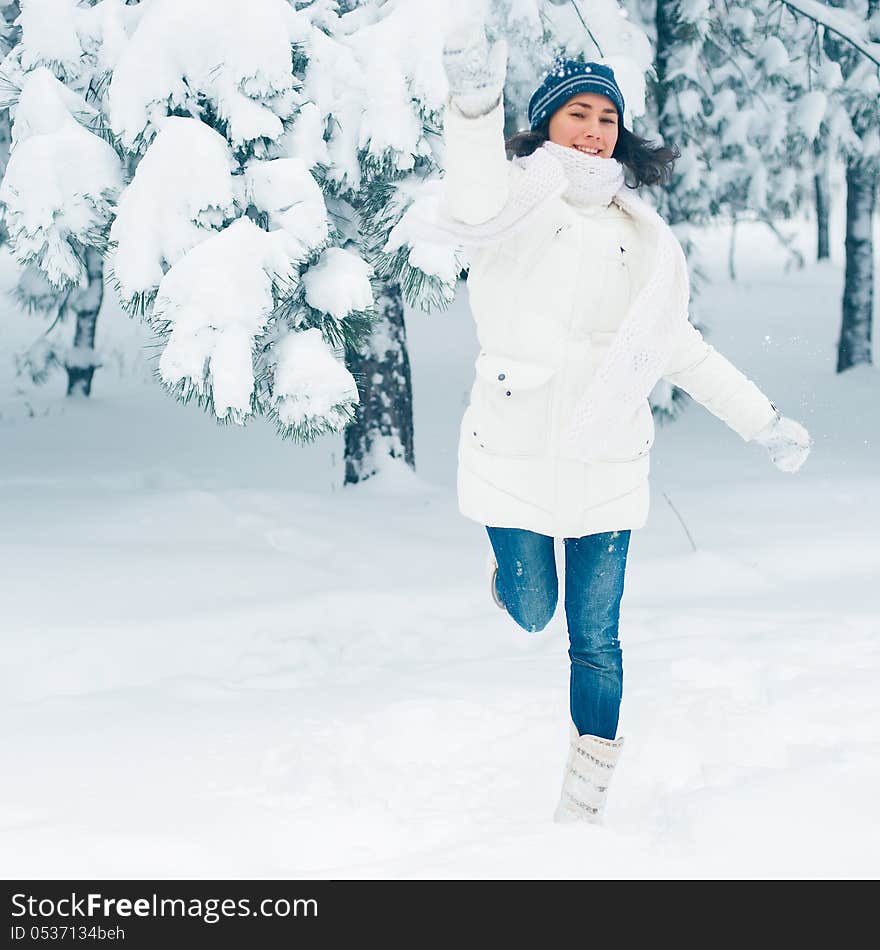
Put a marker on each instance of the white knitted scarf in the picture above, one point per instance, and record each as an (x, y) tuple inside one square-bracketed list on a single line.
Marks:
[(592, 181), (637, 356)]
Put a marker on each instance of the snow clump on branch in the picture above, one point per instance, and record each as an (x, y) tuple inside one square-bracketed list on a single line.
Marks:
[(213, 303), (206, 56), (60, 183), (181, 192)]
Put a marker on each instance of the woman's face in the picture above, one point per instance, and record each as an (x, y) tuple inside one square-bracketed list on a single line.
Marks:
[(587, 122)]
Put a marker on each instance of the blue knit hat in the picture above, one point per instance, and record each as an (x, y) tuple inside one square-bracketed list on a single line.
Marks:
[(566, 78)]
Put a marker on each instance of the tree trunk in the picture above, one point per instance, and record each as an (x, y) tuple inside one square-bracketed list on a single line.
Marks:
[(858, 288), (5, 140), (383, 424), (668, 25), (5, 144), (731, 250), (83, 303), (665, 21), (823, 202), (861, 187)]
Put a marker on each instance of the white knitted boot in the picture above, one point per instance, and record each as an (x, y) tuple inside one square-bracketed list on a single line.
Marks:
[(588, 771)]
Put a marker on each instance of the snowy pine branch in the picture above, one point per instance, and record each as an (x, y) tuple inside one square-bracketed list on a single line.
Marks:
[(839, 21), (10, 91)]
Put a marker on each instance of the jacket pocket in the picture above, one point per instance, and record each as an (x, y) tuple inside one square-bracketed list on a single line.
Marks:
[(510, 406)]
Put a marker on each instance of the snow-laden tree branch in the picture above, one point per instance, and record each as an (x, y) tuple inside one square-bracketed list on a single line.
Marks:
[(165, 135), (839, 21)]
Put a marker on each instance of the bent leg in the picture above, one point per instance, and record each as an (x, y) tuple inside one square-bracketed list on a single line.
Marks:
[(527, 581), (594, 570)]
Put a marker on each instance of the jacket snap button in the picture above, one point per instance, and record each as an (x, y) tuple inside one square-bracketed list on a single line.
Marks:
[(501, 376), (508, 392)]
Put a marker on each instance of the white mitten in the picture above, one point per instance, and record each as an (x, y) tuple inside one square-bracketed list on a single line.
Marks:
[(475, 72), (787, 441)]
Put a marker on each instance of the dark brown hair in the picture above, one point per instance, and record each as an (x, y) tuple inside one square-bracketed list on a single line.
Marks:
[(648, 163)]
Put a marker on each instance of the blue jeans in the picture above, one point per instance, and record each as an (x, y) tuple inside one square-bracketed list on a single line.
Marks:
[(594, 569)]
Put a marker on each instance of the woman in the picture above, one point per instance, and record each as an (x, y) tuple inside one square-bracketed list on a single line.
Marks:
[(580, 295)]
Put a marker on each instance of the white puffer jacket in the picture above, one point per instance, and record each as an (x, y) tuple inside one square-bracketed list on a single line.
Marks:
[(546, 301)]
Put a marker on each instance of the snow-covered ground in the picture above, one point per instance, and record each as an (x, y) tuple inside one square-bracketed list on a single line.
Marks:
[(217, 662)]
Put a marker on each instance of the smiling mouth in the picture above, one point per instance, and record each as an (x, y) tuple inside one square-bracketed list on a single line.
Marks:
[(586, 150)]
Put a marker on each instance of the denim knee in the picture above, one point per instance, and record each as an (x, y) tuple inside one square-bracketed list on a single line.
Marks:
[(601, 657), (535, 614)]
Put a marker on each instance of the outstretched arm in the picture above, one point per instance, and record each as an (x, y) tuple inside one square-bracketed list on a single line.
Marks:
[(475, 187), (702, 372)]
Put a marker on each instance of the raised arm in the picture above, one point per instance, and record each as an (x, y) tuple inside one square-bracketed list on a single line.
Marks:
[(475, 185)]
